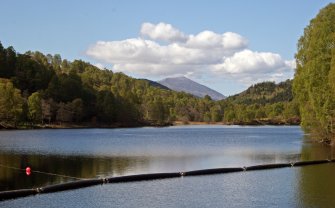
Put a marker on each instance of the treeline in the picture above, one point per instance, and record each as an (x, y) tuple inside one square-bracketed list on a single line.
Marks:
[(38, 89), (45, 89), (314, 81), (265, 93), (263, 103)]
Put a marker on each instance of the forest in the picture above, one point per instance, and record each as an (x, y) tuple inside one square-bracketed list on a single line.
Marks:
[(38, 90)]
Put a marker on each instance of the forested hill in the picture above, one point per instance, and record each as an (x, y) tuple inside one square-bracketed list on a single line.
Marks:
[(38, 90), (46, 89), (263, 103), (265, 93)]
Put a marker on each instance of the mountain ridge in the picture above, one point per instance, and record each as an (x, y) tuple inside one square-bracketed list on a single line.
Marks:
[(184, 84)]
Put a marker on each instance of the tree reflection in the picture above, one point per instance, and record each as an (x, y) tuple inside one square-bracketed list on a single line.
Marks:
[(74, 166), (316, 184)]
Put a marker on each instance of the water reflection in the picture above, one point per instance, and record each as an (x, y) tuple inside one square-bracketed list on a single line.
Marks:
[(276, 158), (158, 151), (316, 184), (80, 166), (316, 151), (94, 153), (73, 166)]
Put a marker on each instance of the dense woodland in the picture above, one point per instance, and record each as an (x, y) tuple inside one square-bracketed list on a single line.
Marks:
[(263, 103), (40, 90), (314, 82)]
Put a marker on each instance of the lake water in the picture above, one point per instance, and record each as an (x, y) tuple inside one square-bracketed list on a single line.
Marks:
[(97, 153)]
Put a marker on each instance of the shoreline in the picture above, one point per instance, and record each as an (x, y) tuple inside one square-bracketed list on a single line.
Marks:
[(262, 122), (80, 126), (146, 124)]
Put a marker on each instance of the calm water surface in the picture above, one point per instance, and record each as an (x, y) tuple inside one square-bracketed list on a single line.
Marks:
[(94, 153)]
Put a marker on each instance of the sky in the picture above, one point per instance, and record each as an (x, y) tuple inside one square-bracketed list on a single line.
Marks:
[(226, 45)]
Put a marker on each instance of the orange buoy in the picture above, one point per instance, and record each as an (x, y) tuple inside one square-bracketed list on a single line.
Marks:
[(28, 171)]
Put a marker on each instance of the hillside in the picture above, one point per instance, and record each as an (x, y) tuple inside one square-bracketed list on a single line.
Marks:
[(183, 84), (265, 93), (38, 91), (263, 103)]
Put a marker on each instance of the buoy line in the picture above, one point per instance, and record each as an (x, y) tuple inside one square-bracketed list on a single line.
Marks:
[(81, 183), (40, 172)]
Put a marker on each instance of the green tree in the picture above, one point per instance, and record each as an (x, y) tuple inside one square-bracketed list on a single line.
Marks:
[(106, 106), (229, 115), (46, 107), (313, 82), (7, 61), (35, 107), (157, 112), (78, 109), (216, 113), (10, 103)]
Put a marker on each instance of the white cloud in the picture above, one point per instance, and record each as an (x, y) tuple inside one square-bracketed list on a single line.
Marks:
[(162, 31), (207, 52), (234, 41), (140, 51), (205, 39), (247, 61), (250, 67), (126, 51), (226, 44)]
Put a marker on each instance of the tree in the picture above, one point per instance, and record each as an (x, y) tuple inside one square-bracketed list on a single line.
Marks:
[(46, 106), (106, 106), (10, 103), (216, 114), (157, 112), (30, 74), (229, 115), (78, 109), (64, 112), (35, 107), (314, 78)]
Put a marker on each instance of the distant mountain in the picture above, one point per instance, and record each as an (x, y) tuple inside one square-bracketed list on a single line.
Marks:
[(155, 84), (265, 92), (183, 84)]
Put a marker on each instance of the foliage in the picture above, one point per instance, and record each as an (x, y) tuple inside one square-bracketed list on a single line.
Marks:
[(57, 91), (35, 107), (315, 75), (265, 92), (10, 103)]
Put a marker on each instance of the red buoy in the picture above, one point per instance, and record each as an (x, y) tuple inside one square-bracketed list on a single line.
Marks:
[(28, 171)]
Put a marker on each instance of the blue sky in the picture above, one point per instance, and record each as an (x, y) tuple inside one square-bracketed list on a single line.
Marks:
[(137, 37)]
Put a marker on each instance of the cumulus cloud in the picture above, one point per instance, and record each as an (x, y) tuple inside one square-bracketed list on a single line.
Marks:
[(162, 31), (247, 61), (251, 67), (209, 40), (207, 52)]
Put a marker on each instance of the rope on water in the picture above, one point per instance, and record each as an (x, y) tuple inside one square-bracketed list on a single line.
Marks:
[(42, 172), (10, 167), (60, 175)]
